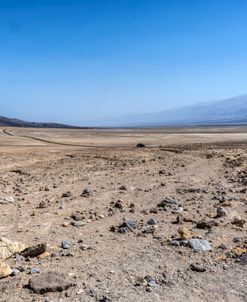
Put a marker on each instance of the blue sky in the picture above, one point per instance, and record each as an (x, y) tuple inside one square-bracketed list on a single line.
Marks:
[(70, 61)]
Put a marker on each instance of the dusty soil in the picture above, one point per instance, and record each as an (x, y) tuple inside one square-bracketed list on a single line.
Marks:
[(201, 169)]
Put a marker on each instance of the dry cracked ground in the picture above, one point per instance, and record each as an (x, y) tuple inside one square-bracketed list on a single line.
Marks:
[(121, 223)]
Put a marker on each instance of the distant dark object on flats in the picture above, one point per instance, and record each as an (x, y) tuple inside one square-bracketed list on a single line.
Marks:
[(140, 145)]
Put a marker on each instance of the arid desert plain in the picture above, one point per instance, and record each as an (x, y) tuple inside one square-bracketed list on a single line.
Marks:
[(109, 221)]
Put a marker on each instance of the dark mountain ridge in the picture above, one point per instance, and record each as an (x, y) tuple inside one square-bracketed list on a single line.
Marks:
[(13, 122)]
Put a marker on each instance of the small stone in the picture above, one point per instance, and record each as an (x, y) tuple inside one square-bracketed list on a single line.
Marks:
[(123, 188), (77, 217), (9, 199), (221, 212), (206, 225), (43, 204), (150, 281), (34, 270), (44, 255), (223, 246), (151, 222), (127, 226), (84, 247), (49, 282), (86, 193), (65, 244), (34, 251), (19, 257), (175, 242), (78, 224), (67, 194), (238, 222), (119, 204), (184, 233), (140, 145), (15, 271), (243, 259), (199, 245), (197, 268), (5, 270)]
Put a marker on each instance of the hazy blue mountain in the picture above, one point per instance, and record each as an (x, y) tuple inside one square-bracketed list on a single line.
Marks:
[(229, 111), (233, 110)]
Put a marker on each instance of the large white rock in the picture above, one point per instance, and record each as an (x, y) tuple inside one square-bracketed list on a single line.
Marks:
[(9, 248)]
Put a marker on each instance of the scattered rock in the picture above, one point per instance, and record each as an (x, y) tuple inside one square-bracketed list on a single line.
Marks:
[(197, 268), (78, 224), (206, 225), (123, 188), (119, 204), (15, 271), (150, 281), (243, 259), (84, 247), (221, 212), (43, 204), (67, 194), (34, 270), (66, 245), (44, 255), (140, 145), (5, 270), (238, 222), (199, 245), (7, 200), (34, 251), (77, 217), (184, 233), (9, 248), (168, 204), (86, 193), (127, 226), (151, 221), (49, 282)]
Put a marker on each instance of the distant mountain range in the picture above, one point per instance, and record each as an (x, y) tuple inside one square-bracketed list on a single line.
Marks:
[(224, 112), (229, 111), (12, 122)]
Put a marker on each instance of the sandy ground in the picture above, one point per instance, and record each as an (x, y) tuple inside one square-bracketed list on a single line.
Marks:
[(199, 169)]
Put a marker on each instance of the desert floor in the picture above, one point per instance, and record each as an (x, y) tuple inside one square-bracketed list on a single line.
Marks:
[(167, 193)]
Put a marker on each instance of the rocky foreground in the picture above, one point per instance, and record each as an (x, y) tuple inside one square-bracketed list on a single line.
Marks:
[(134, 224)]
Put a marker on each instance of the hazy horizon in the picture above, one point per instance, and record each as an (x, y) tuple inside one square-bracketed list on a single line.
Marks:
[(71, 62)]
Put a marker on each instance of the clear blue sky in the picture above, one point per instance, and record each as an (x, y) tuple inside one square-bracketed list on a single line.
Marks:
[(72, 60)]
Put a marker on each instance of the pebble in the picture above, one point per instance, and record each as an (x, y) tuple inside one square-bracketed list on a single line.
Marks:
[(84, 247), (34, 251), (199, 245), (86, 193), (221, 212), (15, 271), (65, 244), (34, 270), (5, 270), (140, 145), (150, 281), (151, 222), (197, 268), (67, 194), (78, 224), (9, 199)]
